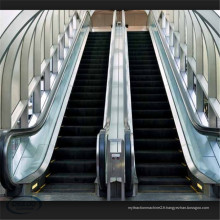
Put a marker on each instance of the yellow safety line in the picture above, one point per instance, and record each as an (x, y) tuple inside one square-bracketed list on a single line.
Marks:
[(40, 188), (52, 161), (183, 164), (188, 178), (194, 189), (48, 175)]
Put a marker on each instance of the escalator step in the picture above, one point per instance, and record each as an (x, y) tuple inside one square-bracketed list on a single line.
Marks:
[(152, 156), (144, 72), (83, 121), (75, 153), (149, 97), (69, 188), (165, 189), (161, 169), (71, 178), (74, 166), (141, 114), (156, 144), (148, 90), (91, 76), (161, 180), (89, 89), (77, 141), (155, 133), (147, 77), (91, 82), (81, 95), (79, 130), (84, 111), (160, 105), (153, 123)]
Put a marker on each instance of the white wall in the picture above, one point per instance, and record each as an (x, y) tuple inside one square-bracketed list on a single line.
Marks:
[(6, 17)]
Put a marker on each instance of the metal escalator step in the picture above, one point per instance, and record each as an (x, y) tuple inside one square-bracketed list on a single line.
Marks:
[(161, 180), (161, 169), (74, 166), (69, 188), (156, 144), (158, 156), (76, 141), (83, 121), (165, 189), (71, 178), (75, 153)]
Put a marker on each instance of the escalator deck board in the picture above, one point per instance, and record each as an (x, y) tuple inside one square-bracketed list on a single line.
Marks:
[(159, 160), (73, 164)]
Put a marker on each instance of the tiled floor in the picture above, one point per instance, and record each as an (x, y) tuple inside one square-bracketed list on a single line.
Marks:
[(93, 197)]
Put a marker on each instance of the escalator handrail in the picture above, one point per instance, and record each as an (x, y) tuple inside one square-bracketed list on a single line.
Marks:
[(209, 131), (130, 165), (125, 60), (6, 135), (107, 116), (102, 136)]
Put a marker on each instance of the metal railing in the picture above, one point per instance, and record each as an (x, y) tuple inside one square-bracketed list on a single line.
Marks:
[(107, 116), (130, 167), (205, 130), (6, 135), (101, 149)]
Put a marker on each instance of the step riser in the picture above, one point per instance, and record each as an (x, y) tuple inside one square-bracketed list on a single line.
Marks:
[(76, 141), (161, 171), (154, 157), (74, 154), (79, 131), (156, 144), (73, 168), (70, 180), (86, 104), (153, 123)]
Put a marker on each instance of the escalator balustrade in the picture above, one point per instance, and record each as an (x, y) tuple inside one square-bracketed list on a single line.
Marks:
[(73, 164)]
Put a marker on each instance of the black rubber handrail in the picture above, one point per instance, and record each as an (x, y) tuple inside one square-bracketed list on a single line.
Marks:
[(102, 160), (128, 164)]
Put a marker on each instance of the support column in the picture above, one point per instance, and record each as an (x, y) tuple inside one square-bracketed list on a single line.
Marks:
[(71, 29), (199, 97), (55, 62), (212, 117), (24, 118), (37, 99), (66, 35), (61, 48), (182, 61), (47, 78), (176, 48), (171, 37), (190, 78)]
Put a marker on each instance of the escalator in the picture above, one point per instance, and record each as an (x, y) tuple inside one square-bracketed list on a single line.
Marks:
[(160, 163), (73, 164)]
